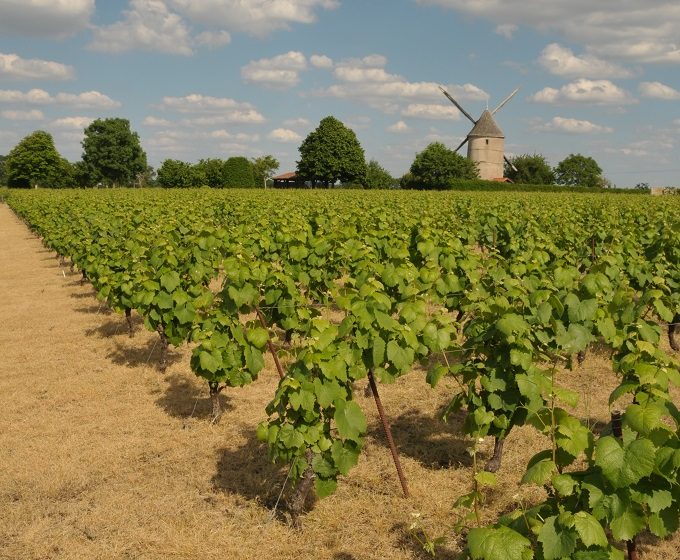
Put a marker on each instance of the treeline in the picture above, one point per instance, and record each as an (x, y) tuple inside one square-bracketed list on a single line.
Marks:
[(330, 156)]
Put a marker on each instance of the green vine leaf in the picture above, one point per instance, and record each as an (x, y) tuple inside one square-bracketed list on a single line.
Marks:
[(589, 529), (624, 466), (349, 419), (502, 543)]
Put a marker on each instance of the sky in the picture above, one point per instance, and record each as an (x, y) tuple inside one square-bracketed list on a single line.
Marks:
[(220, 78)]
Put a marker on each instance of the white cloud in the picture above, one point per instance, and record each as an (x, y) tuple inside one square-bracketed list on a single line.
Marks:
[(33, 96), (44, 18), (630, 151), (32, 115), (320, 61), (73, 123), (358, 74), (657, 90), (562, 61), (85, 100), (637, 30), (248, 116), (282, 71), (257, 17), (155, 121), (506, 30), (598, 92), (13, 67), (147, 25), (177, 135), (366, 81), (398, 127), (213, 39), (431, 111), (299, 122), (222, 109), (284, 135), (572, 126)]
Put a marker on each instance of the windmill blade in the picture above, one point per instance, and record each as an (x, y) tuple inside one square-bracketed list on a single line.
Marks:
[(512, 165), (461, 144), (508, 98), (452, 100)]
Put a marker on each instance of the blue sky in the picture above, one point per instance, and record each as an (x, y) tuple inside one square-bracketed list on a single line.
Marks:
[(216, 78)]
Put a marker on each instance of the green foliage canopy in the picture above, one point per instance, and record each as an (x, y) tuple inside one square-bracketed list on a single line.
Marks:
[(3, 173), (35, 162), (174, 173), (237, 172), (377, 176), (112, 153), (331, 153), (577, 169), (209, 172), (263, 169), (531, 170), (437, 164)]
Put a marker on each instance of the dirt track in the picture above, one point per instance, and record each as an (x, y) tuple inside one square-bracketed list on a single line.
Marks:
[(103, 457)]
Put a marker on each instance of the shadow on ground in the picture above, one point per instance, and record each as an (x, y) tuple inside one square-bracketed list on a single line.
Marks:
[(96, 308), (247, 471), (427, 439), (133, 355), (184, 399), (116, 326)]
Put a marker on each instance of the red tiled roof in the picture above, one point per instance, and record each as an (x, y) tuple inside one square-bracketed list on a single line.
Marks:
[(284, 176)]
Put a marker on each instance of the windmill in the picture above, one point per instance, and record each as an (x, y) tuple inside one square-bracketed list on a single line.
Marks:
[(486, 141)]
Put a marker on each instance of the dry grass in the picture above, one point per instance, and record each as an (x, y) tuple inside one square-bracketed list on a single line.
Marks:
[(103, 457)]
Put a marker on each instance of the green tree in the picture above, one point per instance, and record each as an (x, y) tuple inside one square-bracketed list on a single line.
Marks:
[(578, 170), (530, 170), (176, 173), (331, 153), (112, 153), (3, 174), (210, 172), (436, 165), (238, 173), (263, 169), (35, 162), (377, 177)]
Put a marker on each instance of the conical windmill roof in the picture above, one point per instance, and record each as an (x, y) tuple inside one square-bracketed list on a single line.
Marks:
[(486, 127)]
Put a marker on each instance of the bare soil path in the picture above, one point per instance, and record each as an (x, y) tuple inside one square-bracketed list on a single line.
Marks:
[(102, 457)]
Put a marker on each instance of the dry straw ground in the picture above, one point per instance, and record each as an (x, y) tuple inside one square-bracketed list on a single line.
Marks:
[(103, 457)]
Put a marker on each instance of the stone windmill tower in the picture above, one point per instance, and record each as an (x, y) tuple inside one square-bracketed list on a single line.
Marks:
[(486, 141)]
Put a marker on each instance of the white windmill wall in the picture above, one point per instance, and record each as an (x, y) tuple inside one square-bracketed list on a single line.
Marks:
[(488, 154)]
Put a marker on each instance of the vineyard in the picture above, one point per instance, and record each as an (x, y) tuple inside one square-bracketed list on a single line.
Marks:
[(467, 319)]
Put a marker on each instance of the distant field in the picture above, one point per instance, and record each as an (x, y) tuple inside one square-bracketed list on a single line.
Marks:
[(537, 313)]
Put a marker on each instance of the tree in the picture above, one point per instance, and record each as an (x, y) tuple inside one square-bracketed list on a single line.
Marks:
[(263, 169), (436, 165), (531, 170), (35, 162), (377, 176), (112, 153), (3, 174), (210, 172), (331, 153), (176, 173), (578, 170), (238, 173)]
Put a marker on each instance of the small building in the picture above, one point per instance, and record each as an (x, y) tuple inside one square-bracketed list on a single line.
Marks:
[(287, 181), (486, 147)]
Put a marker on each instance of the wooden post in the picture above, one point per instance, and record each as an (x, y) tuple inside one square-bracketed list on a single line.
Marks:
[(388, 434), (272, 350)]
